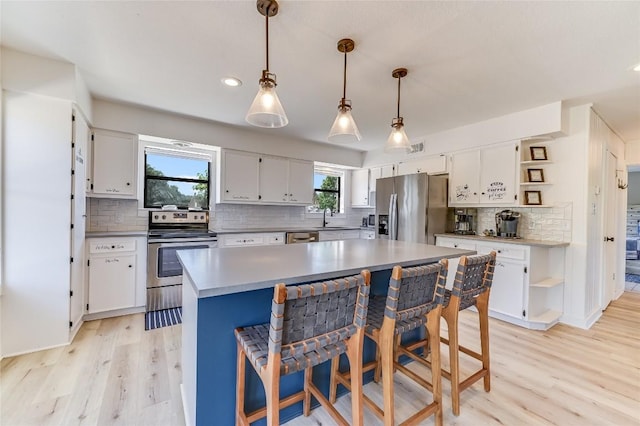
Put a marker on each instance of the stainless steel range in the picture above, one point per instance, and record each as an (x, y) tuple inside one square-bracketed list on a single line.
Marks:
[(170, 231)]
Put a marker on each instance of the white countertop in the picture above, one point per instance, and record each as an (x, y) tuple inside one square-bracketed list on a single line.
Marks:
[(519, 241), (220, 271), (223, 231)]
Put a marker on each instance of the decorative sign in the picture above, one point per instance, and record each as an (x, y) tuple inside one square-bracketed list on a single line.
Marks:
[(496, 191), (462, 193)]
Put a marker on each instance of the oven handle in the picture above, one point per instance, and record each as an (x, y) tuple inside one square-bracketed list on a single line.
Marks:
[(192, 241)]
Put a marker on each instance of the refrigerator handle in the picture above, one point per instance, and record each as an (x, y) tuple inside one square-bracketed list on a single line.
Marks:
[(393, 217)]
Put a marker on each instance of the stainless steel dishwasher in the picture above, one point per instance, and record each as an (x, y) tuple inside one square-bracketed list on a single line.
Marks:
[(302, 237)]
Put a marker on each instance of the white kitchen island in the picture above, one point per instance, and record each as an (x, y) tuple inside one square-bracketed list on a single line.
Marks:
[(225, 288)]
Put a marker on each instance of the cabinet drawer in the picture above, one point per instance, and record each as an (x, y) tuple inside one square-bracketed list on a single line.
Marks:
[(244, 240), (454, 243), (108, 246), (518, 253), (350, 235), (275, 239)]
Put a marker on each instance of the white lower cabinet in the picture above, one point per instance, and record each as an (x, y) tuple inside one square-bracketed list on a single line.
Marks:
[(116, 274), (527, 287), (367, 234), (342, 234), (252, 239)]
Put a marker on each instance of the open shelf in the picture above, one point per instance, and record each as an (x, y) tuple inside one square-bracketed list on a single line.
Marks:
[(534, 183), (530, 162), (547, 317), (548, 283)]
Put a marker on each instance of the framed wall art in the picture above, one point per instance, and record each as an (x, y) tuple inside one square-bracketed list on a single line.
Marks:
[(532, 197), (535, 175), (538, 153)]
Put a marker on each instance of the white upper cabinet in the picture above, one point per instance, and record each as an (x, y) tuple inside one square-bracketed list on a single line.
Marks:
[(274, 180), (360, 188), (301, 182), (436, 164), (263, 179), (485, 177), (114, 164), (239, 181)]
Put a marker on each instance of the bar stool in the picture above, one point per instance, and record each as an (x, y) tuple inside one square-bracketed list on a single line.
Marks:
[(414, 299), (310, 324), (471, 287)]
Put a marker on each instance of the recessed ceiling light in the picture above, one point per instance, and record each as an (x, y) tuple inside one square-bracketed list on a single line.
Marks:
[(231, 81), (636, 68)]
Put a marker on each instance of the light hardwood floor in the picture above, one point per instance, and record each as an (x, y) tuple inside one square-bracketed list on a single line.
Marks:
[(116, 373)]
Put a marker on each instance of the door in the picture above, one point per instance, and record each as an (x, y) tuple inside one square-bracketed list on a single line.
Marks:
[(112, 282), (301, 182), (360, 188), (274, 180), (463, 181), (114, 163), (80, 137), (412, 193), (240, 172), (610, 245), (507, 289), (498, 175)]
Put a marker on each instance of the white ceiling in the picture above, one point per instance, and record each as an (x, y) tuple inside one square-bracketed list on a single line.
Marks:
[(467, 61)]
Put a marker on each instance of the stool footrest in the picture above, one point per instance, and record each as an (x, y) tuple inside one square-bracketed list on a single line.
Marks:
[(472, 379), (414, 376), (285, 402), (421, 415), (327, 405)]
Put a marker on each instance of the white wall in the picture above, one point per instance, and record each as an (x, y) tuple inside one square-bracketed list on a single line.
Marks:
[(632, 152), (140, 120), (548, 119), (36, 196)]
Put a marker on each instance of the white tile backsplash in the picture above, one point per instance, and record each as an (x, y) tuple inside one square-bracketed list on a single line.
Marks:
[(107, 215), (536, 223)]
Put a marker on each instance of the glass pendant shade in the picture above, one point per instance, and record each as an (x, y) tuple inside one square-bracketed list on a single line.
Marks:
[(344, 127), (398, 140), (266, 109)]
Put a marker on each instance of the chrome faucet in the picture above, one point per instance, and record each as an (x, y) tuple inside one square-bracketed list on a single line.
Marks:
[(324, 216)]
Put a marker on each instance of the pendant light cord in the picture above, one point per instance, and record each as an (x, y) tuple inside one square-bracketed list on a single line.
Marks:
[(399, 78), (344, 84), (267, 38)]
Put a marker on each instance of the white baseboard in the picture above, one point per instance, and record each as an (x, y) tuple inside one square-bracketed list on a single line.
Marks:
[(187, 419), (114, 313)]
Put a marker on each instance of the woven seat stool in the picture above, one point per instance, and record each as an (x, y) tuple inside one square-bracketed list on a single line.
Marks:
[(310, 324), (471, 287), (414, 299)]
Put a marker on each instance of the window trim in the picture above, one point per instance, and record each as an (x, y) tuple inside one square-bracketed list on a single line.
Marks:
[(342, 175), (150, 148)]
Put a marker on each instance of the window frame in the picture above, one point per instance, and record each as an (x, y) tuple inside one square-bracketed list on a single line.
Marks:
[(341, 175), (182, 153)]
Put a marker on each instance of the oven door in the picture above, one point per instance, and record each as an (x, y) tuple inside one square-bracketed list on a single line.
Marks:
[(164, 272)]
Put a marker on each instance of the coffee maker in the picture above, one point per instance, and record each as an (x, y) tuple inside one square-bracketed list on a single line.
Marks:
[(464, 221), (507, 224)]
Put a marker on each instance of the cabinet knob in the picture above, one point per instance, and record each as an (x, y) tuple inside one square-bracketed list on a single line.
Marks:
[(113, 247), (130, 266), (227, 191), (455, 245), (128, 183), (475, 193), (499, 251)]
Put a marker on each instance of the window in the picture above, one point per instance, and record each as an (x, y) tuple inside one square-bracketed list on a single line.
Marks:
[(328, 192), (178, 178)]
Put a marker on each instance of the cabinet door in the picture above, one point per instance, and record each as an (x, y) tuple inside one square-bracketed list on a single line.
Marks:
[(360, 188), (274, 176), (240, 176), (432, 165), (112, 281), (388, 171), (301, 182), (507, 289), (114, 164), (498, 175), (463, 179), (374, 173)]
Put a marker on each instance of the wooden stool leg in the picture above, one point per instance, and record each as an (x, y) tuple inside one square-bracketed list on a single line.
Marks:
[(306, 406), (240, 374), (454, 361), (433, 329), (378, 370), (354, 355), (482, 304), (387, 343), (333, 382), (271, 380)]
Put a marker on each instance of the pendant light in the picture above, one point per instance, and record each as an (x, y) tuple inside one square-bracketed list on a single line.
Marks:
[(398, 140), (344, 127), (266, 109)]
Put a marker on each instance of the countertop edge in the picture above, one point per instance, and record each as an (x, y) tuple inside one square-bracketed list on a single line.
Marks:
[(285, 230), (521, 242), (242, 288), (115, 234)]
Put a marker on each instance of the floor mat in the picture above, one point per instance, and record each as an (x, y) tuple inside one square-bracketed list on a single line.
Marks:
[(632, 278), (163, 318)]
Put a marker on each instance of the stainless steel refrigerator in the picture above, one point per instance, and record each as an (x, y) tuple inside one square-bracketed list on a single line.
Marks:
[(411, 207)]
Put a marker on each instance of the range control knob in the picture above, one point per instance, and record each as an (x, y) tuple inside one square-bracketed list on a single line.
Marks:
[(156, 217), (164, 216), (201, 217)]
